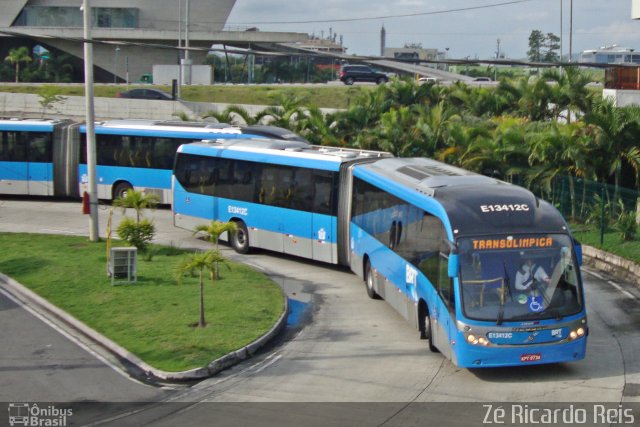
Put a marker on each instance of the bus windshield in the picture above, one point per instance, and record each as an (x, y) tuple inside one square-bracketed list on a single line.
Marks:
[(519, 277)]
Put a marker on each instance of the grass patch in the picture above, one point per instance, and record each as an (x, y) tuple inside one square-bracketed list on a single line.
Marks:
[(613, 242), (154, 317), (330, 96)]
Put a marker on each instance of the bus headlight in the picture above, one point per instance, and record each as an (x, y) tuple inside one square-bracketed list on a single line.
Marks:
[(473, 340), (577, 333)]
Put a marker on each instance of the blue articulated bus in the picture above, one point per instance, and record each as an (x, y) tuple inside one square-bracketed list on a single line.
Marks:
[(485, 271), (32, 157), (47, 157), (139, 154)]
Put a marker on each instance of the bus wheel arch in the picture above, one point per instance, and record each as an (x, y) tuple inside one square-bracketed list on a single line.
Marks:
[(369, 278), (120, 189), (239, 240)]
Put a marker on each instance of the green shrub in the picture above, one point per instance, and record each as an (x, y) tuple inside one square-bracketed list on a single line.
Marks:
[(138, 234), (627, 225)]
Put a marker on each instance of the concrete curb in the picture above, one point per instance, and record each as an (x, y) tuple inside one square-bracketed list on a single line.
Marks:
[(619, 267), (44, 307)]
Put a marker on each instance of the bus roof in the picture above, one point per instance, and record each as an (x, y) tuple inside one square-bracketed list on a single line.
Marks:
[(280, 151), (473, 203), (153, 127), (41, 125)]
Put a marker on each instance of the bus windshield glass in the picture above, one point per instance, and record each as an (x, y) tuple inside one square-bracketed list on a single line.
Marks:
[(519, 278)]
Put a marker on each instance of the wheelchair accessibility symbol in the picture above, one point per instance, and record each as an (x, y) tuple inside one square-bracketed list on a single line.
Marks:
[(535, 304)]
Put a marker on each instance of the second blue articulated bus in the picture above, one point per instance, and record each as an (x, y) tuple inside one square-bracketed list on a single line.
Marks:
[(47, 157), (485, 271)]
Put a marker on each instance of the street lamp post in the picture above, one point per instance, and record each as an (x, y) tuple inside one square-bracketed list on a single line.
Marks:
[(570, 30), (90, 122), (115, 64)]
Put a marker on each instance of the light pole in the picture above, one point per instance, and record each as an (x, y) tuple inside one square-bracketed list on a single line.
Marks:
[(187, 62), (570, 30), (90, 119), (446, 57), (115, 64)]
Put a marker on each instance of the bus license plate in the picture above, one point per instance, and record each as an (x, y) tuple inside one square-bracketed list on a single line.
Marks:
[(534, 357)]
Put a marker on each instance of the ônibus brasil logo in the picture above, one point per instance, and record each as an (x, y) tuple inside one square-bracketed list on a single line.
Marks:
[(31, 415)]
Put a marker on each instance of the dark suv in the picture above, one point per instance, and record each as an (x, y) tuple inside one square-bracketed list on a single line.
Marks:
[(350, 74)]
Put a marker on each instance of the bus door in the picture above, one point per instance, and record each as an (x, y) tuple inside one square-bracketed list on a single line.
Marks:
[(324, 231), (442, 312), (39, 164), (297, 236), (308, 226)]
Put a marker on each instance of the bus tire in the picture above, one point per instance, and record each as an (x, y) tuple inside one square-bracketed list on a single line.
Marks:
[(120, 190), (432, 347), (240, 239), (368, 281)]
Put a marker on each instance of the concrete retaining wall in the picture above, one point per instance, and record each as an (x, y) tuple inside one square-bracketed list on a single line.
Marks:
[(619, 267), (73, 107)]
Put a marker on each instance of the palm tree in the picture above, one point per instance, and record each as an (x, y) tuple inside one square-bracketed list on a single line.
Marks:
[(214, 230), (288, 110), (433, 125), (617, 133), (136, 200), (200, 261), (316, 127), (569, 94), (16, 56), (233, 114), (396, 133), (560, 150)]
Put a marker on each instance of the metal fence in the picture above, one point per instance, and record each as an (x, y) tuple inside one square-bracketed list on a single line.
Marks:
[(594, 204)]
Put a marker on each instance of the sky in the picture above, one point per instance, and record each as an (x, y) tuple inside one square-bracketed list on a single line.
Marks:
[(467, 28)]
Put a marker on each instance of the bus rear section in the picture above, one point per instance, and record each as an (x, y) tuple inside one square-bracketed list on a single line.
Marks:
[(27, 150), (486, 272)]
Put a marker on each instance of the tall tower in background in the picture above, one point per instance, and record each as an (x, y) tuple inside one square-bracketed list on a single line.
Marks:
[(383, 40)]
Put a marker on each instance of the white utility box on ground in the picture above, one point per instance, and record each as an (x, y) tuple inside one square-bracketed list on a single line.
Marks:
[(122, 265)]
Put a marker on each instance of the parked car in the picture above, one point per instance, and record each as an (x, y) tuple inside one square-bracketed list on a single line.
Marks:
[(482, 79), (423, 80), (349, 74), (146, 94)]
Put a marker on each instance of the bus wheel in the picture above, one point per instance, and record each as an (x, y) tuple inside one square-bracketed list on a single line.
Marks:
[(120, 190), (429, 334), (368, 281), (240, 239)]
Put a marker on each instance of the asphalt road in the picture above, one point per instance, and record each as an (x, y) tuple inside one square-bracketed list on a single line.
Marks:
[(343, 349)]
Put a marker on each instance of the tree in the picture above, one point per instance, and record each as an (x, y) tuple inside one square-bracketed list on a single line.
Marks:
[(214, 230), (536, 43), (16, 56), (142, 231), (543, 47), (551, 46), (137, 201), (48, 97), (200, 261), (233, 114)]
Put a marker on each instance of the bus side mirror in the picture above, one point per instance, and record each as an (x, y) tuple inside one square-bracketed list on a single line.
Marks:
[(577, 248), (454, 264)]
